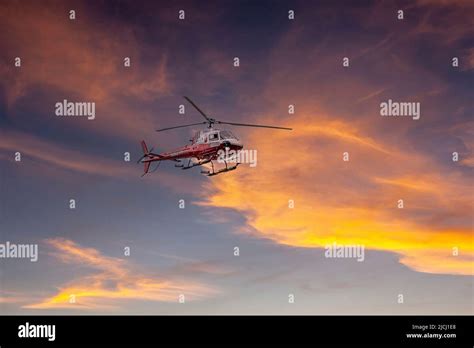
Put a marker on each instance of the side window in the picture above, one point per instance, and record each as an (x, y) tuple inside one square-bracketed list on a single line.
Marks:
[(213, 136)]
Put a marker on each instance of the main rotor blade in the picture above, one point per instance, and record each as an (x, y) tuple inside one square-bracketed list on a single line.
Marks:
[(253, 125), (186, 125), (200, 111)]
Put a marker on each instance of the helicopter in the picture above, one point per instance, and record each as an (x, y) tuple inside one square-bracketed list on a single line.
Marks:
[(204, 148)]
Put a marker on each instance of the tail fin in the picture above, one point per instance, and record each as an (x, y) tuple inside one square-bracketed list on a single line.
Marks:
[(148, 157), (147, 167), (145, 154), (145, 148)]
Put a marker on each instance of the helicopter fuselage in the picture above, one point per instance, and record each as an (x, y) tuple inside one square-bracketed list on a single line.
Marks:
[(204, 145)]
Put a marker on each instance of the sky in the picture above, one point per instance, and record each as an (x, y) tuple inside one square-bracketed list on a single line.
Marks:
[(281, 214)]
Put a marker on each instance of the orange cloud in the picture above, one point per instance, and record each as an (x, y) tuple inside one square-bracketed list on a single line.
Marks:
[(337, 111), (352, 202), (81, 60), (89, 61), (114, 281)]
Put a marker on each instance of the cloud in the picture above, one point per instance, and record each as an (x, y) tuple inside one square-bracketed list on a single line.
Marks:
[(371, 95), (351, 202), (82, 60), (58, 156), (112, 283), (89, 61), (468, 60), (8, 297), (355, 202), (448, 21), (464, 132)]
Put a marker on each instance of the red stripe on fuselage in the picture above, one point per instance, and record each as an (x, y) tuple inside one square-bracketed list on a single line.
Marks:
[(199, 151)]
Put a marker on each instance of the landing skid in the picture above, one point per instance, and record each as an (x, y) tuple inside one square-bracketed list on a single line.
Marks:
[(223, 170), (191, 165)]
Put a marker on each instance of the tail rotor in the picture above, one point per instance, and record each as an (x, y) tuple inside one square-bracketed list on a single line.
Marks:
[(146, 154)]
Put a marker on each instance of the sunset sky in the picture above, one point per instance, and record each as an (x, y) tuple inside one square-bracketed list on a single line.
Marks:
[(190, 251)]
